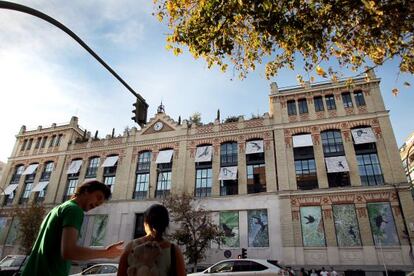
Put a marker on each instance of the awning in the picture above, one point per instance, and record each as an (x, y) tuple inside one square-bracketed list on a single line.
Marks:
[(254, 146), (74, 166), (203, 154), (336, 164), (164, 156), (304, 140), (31, 169), (110, 161), (363, 135), (40, 186), (228, 173), (10, 189)]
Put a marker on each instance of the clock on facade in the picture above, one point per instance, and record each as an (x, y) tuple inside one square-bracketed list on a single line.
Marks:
[(158, 126)]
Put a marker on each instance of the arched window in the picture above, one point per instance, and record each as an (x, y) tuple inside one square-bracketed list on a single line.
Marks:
[(255, 165), (305, 167), (73, 178), (203, 168), (92, 167), (164, 169), (228, 169), (30, 174), (110, 166)]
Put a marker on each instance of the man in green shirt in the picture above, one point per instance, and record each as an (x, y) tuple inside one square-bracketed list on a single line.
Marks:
[(56, 247)]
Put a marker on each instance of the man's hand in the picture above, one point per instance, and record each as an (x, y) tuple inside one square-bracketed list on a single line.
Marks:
[(114, 250)]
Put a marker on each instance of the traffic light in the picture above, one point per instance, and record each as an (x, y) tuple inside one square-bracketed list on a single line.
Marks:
[(140, 112), (244, 253)]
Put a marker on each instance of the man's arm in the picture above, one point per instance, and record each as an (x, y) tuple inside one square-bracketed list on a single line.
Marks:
[(71, 251)]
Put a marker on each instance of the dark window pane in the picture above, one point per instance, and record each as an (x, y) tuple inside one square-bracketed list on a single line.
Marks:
[(330, 102), (303, 106), (359, 98), (291, 106), (347, 100), (318, 102)]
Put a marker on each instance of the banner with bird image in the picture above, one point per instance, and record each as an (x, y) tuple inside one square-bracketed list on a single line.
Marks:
[(99, 230), (346, 225), (258, 228), (229, 223), (313, 233), (382, 224)]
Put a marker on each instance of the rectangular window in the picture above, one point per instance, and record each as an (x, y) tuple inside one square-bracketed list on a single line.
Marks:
[(72, 184), (359, 98), (29, 144), (303, 106), (110, 173), (256, 178), (291, 106), (306, 178), (141, 186), (26, 192), (370, 169), (43, 142), (318, 102), (347, 100), (92, 167), (338, 179), (38, 142), (330, 102), (139, 230), (203, 182), (382, 224), (52, 141), (163, 184), (228, 154), (229, 187), (47, 171), (24, 145), (58, 139)]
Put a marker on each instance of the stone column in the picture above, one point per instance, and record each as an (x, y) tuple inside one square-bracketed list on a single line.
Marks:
[(123, 180), (215, 189), (350, 155), (320, 161), (281, 159), (241, 168)]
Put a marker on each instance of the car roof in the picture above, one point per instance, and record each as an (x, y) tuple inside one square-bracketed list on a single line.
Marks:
[(114, 264)]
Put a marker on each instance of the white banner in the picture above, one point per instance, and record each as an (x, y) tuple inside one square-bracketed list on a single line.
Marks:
[(254, 146), (31, 169), (164, 156), (40, 186), (74, 166), (363, 135), (304, 140), (203, 154), (336, 164), (10, 189), (110, 161), (228, 173)]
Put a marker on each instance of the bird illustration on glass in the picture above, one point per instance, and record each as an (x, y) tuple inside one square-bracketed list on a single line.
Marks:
[(312, 226), (346, 225), (382, 224), (229, 223)]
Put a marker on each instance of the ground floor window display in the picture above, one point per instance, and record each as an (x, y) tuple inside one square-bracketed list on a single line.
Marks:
[(258, 228), (382, 224), (346, 225), (313, 233), (229, 223), (99, 230)]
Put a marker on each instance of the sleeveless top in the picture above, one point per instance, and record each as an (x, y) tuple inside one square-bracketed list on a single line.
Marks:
[(162, 262)]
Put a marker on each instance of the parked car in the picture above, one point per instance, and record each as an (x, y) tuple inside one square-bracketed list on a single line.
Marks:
[(107, 269), (11, 264), (244, 267)]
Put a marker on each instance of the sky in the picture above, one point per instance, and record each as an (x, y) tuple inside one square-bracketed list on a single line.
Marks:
[(46, 77)]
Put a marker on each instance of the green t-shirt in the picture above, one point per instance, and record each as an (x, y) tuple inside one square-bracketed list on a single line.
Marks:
[(46, 258)]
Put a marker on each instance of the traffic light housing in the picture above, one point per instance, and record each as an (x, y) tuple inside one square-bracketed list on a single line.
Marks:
[(140, 112), (244, 253)]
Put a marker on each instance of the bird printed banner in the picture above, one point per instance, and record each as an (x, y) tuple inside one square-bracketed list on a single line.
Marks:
[(254, 146), (228, 173), (203, 154), (382, 224), (229, 223), (363, 135), (258, 228), (99, 230), (313, 233), (346, 225), (336, 164)]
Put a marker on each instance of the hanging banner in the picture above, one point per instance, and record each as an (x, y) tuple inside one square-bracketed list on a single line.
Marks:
[(363, 135), (346, 225), (110, 161), (254, 146), (74, 167), (31, 169), (336, 164), (204, 154), (382, 224), (229, 223), (40, 186), (10, 189), (99, 230), (313, 233), (258, 229), (164, 156), (304, 140), (228, 173)]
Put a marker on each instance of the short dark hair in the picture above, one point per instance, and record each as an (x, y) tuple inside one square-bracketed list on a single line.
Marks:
[(156, 216), (92, 186)]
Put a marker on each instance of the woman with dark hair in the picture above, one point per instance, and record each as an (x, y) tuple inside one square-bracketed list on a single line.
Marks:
[(152, 255)]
